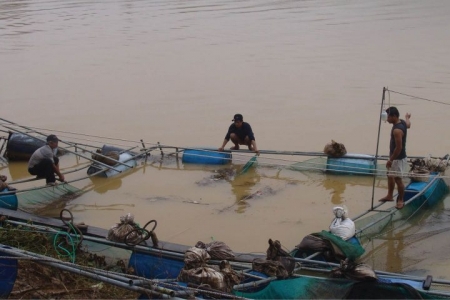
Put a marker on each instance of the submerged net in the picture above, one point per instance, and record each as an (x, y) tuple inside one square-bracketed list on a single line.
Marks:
[(318, 164), (38, 199)]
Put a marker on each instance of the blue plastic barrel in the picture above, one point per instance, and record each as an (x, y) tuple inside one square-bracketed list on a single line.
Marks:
[(345, 165), (206, 157)]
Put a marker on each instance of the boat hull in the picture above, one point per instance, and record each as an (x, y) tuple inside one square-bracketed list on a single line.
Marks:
[(8, 201)]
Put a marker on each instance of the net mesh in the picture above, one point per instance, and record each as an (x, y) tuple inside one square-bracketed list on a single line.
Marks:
[(39, 199)]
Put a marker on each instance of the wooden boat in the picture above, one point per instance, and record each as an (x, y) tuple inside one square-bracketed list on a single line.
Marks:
[(158, 264)]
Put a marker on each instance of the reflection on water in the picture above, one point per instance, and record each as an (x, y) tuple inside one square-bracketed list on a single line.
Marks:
[(242, 187), (337, 188), (18, 170), (103, 185)]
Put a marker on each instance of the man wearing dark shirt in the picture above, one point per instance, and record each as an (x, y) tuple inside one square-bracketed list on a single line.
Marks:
[(240, 133), (397, 163)]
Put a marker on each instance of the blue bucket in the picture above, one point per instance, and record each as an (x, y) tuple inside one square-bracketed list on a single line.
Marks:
[(206, 157)]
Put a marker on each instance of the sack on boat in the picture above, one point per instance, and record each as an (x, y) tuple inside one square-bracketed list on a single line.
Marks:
[(419, 175), (203, 276), (343, 228), (313, 243), (333, 247), (276, 253), (195, 257), (231, 277), (335, 149), (118, 232), (421, 168), (196, 270), (110, 160), (217, 250), (3, 184), (270, 268), (341, 249), (355, 271)]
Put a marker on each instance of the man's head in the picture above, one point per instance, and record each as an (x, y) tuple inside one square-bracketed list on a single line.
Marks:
[(393, 111), (52, 141), (393, 114), (238, 119)]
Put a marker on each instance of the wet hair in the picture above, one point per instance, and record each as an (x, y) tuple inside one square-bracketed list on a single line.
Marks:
[(393, 111)]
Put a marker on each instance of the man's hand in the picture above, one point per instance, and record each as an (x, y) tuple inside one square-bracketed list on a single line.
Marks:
[(407, 116), (389, 164), (220, 149)]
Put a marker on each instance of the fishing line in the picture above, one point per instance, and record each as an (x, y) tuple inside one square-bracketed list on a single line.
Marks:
[(419, 98)]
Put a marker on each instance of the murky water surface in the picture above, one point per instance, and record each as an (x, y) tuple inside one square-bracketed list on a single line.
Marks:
[(175, 72)]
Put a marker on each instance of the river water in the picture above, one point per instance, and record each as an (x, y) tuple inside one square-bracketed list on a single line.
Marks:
[(301, 72)]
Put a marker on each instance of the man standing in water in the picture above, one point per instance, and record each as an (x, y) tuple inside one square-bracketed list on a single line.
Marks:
[(44, 163), (240, 133), (397, 163)]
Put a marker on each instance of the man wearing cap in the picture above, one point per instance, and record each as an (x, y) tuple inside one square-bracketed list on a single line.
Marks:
[(397, 162), (44, 163), (240, 133)]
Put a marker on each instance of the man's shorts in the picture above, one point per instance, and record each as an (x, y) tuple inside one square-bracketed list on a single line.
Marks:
[(398, 168)]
